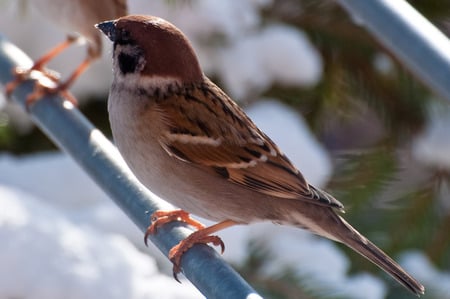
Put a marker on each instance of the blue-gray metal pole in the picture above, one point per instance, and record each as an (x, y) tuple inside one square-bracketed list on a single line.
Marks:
[(68, 128), (417, 43)]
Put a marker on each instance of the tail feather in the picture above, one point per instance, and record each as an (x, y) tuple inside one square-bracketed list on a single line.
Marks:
[(327, 223), (353, 239)]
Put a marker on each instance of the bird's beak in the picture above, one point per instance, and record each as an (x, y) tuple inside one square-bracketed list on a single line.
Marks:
[(108, 28)]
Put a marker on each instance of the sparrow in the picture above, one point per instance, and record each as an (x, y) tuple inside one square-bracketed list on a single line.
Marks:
[(78, 16), (191, 144)]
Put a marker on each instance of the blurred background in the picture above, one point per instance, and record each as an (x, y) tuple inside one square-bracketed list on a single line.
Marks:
[(345, 111)]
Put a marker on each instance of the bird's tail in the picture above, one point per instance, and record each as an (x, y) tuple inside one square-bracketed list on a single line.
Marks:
[(349, 236), (327, 223)]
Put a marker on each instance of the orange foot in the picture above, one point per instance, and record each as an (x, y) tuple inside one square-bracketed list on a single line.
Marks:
[(21, 74), (201, 236), (61, 87), (198, 237), (162, 217), (41, 91)]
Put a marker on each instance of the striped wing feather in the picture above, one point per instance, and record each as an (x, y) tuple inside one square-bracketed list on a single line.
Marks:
[(213, 132)]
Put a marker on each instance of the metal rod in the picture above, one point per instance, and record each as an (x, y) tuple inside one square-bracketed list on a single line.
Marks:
[(417, 43), (72, 132)]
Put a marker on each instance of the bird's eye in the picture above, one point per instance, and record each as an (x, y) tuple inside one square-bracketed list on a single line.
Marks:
[(125, 35)]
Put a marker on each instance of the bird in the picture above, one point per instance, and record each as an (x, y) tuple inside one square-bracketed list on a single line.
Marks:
[(191, 144), (76, 16)]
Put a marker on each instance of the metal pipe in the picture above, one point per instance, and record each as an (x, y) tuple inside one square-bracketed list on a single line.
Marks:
[(417, 43), (73, 133)]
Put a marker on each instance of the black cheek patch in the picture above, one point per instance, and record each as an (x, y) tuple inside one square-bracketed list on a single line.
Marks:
[(128, 63)]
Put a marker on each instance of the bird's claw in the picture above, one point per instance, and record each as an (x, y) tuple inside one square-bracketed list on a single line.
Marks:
[(160, 218), (178, 250), (22, 74)]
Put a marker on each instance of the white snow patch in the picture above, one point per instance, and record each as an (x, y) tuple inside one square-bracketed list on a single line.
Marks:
[(276, 54), (52, 176), (45, 255), (383, 63), (436, 282), (432, 146), (57, 180)]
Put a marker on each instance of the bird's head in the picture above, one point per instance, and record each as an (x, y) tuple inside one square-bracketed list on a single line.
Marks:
[(150, 47)]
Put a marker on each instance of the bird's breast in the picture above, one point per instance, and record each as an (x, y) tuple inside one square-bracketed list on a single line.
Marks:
[(136, 128)]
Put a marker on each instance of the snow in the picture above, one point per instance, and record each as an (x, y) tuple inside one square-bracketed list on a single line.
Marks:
[(437, 282), (383, 63), (2, 101), (31, 169), (74, 192), (432, 146), (277, 54), (45, 255)]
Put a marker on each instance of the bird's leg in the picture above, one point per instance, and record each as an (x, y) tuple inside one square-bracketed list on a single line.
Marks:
[(162, 217), (21, 74), (75, 74), (40, 90), (41, 62), (63, 87), (202, 236)]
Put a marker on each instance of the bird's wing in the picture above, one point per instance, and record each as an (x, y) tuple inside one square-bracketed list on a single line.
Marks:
[(205, 127)]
